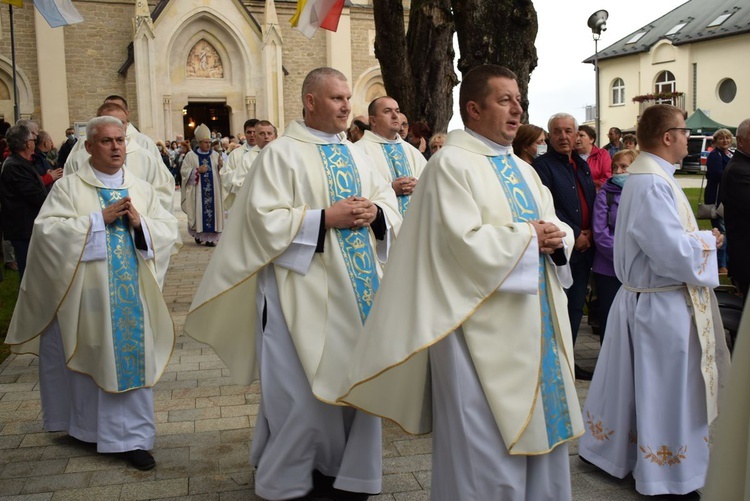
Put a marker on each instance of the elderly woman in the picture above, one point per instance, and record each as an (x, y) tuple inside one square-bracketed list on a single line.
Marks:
[(529, 143), (598, 159), (717, 160)]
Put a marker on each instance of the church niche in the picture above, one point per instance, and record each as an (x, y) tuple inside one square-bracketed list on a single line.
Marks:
[(204, 62)]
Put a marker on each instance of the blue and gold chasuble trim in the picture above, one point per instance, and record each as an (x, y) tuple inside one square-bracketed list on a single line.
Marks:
[(399, 166), (344, 182), (125, 305), (207, 192), (554, 401)]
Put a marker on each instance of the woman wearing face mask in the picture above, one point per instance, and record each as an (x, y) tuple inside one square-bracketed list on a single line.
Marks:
[(529, 143), (603, 227)]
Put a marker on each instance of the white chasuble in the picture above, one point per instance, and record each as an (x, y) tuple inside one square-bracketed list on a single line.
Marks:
[(462, 239), (234, 174), (393, 159), (202, 198), (322, 308), (103, 314)]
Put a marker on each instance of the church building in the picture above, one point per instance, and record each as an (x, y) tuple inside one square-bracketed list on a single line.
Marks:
[(180, 63)]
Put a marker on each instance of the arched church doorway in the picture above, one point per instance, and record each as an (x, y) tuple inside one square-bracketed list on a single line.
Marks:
[(214, 115)]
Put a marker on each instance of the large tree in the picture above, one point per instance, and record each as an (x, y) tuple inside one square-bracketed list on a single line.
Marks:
[(417, 65)]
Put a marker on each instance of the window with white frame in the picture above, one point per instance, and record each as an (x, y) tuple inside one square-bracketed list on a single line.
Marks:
[(665, 82), (618, 92)]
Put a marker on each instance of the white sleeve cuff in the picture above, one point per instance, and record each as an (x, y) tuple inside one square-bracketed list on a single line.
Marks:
[(96, 242), (383, 247), (524, 279), (299, 255)]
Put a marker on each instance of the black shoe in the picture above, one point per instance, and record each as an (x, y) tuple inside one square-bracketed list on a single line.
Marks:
[(210, 244), (690, 496), (583, 374), (198, 241), (140, 459)]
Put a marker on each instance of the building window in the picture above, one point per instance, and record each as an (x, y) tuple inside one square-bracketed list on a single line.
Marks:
[(719, 20), (618, 92), (675, 29), (636, 37), (665, 82), (727, 90)]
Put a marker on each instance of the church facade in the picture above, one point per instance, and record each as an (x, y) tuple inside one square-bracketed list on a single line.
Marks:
[(180, 63)]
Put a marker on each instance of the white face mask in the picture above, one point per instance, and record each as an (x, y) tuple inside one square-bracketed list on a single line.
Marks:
[(541, 149)]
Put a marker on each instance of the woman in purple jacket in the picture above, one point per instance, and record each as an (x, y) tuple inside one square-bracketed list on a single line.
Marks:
[(603, 226)]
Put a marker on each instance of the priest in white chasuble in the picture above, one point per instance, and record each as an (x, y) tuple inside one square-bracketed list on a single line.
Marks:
[(144, 165), (660, 369), (235, 161), (90, 304), (287, 292), (396, 160), (202, 197), (469, 336)]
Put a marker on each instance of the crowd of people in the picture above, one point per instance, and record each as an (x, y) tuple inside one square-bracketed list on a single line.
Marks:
[(371, 269)]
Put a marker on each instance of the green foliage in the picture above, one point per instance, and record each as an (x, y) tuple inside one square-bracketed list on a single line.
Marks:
[(8, 295)]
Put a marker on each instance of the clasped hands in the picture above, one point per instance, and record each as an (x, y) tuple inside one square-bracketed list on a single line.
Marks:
[(122, 207), (548, 236), (404, 185), (352, 212)]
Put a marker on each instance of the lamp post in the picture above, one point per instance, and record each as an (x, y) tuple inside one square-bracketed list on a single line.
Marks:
[(598, 23)]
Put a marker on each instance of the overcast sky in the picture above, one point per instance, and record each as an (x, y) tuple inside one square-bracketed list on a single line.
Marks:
[(561, 82)]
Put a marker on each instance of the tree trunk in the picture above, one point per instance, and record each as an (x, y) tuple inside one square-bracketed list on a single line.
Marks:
[(498, 32), (417, 68)]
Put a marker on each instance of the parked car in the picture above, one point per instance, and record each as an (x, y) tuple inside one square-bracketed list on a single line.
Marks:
[(698, 149)]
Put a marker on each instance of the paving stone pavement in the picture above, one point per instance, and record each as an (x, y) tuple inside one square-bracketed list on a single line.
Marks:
[(203, 431)]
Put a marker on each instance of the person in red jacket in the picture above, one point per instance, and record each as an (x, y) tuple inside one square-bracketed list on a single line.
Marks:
[(598, 159)]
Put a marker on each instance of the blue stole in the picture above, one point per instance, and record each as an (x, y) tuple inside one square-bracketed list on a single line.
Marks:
[(125, 305), (207, 192), (344, 182), (399, 166), (554, 401)]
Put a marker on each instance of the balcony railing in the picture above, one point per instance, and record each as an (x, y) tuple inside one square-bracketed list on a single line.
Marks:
[(676, 99)]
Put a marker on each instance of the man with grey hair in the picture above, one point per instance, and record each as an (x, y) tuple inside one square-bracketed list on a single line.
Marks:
[(569, 179), (91, 307), (22, 192), (286, 294), (735, 196)]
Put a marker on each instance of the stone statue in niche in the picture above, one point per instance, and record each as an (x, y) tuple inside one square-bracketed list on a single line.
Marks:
[(204, 62)]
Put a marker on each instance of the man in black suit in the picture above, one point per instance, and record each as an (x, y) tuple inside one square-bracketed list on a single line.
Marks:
[(735, 195), (568, 177)]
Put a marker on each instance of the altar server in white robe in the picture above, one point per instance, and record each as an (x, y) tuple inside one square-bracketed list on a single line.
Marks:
[(469, 336), (131, 133), (90, 305), (235, 161), (144, 166), (396, 160), (201, 190), (658, 376), (286, 294)]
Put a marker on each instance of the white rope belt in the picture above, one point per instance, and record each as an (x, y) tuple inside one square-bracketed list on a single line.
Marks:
[(653, 289)]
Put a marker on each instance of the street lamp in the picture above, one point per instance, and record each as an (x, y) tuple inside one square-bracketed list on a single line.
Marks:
[(598, 23)]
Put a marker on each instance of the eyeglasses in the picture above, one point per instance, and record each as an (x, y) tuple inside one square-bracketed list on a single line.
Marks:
[(684, 130)]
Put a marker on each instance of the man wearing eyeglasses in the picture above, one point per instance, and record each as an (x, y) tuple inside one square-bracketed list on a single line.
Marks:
[(22, 192), (656, 385)]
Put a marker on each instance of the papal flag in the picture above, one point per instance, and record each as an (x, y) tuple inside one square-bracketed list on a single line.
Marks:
[(314, 14), (56, 12)]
